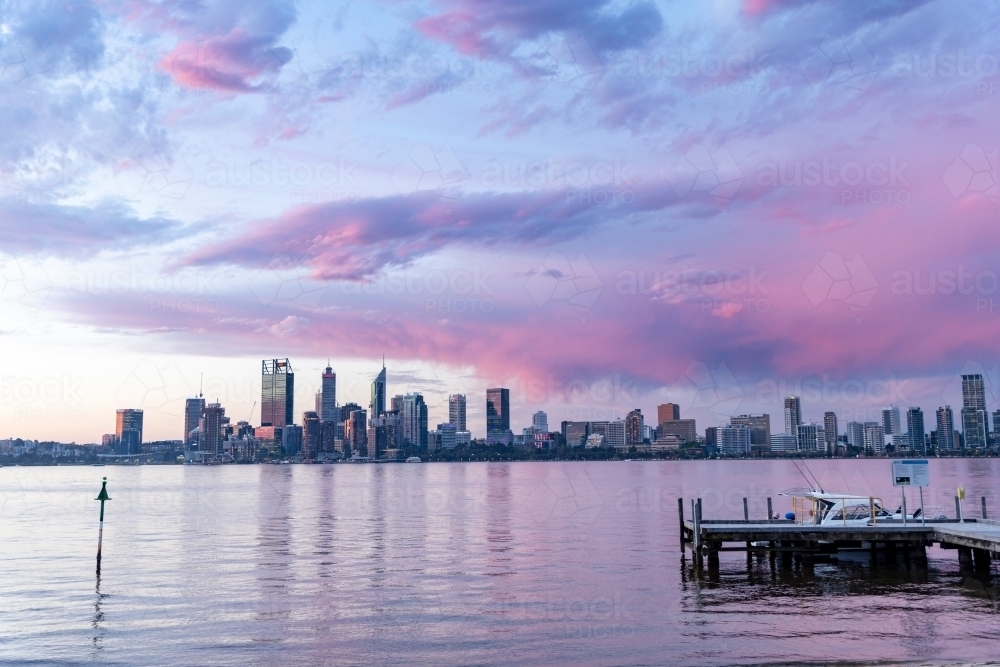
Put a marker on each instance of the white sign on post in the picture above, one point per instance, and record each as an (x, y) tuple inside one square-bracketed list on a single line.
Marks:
[(911, 472)]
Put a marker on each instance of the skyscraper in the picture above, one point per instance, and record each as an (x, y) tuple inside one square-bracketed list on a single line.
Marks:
[(456, 411), (193, 408), (415, 421), (377, 404), (277, 393), (667, 412), (128, 431), (328, 403), (975, 419), (540, 422), (874, 437), (793, 414), (830, 431), (397, 403), (760, 430), (633, 427), (856, 434), (356, 432), (916, 434), (497, 410), (945, 428), (211, 424), (312, 434), (890, 420)]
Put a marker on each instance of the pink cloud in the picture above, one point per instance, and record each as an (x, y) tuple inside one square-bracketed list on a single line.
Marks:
[(235, 62)]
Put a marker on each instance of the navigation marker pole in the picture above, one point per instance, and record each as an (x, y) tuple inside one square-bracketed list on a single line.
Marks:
[(102, 496)]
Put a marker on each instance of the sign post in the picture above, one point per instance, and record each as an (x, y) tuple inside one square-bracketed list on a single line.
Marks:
[(911, 472), (102, 496)]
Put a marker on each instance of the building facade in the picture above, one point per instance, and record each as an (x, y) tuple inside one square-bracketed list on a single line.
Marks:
[(793, 414), (456, 411), (277, 393)]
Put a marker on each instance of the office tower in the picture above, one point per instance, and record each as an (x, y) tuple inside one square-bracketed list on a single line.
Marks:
[(575, 433), (312, 434), (210, 426), (377, 404), (385, 432), (890, 420), (328, 390), (686, 430), (760, 430), (346, 410), (830, 431), (540, 422), (614, 433), (874, 437), (945, 428), (397, 403), (633, 427), (447, 436), (193, 408), (456, 411), (414, 421), (784, 442), (291, 439), (128, 431), (973, 392), (328, 436), (974, 427), (793, 414), (856, 434), (916, 434), (996, 421), (667, 412), (734, 440), (356, 432), (277, 393), (808, 437), (497, 410), (318, 402), (711, 436)]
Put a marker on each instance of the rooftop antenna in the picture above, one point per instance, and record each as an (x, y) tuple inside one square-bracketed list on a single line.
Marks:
[(201, 385)]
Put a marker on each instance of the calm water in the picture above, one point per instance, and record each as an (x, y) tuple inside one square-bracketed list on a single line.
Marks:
[(500, 564)]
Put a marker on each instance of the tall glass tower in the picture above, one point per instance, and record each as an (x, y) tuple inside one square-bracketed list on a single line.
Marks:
[(377, 405), (277, 393), (328, 397)]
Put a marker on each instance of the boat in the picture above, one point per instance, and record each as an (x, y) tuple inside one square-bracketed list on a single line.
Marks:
[(97, 465), (822, 508), (413, 459)]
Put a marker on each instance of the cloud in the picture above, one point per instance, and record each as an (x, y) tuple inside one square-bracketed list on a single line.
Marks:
[(76, 231), (234, 62), (354, 240)]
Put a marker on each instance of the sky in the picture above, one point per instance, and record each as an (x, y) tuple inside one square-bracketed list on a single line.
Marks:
[(601, 205)]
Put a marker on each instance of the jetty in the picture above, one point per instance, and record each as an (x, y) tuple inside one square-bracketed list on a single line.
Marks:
[(976, 541)]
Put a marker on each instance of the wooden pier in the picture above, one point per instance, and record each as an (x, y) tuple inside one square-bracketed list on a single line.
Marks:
[(976, 540)]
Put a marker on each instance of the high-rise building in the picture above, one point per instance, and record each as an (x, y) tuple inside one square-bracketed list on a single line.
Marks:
[(667, 412), (497, 410), (734, 440), (291, 439), (793, 414), (346, 410), (328, 392), (356, 432), (874, 437), (809, 437), (633, 427), (318, 402), (540, 422), (974, 428), (916, 434), (193, 408), (414, 421), (614, 433), (575, 433), (447, 436), (711, 436), (456, 411), (397, 403), (830, 431), (377, 404), (945, 428), (686, 430), (973, 392), (784, 442), (760, 430), (277, 393), (312, 434), (856, 434), (890, 420), (128, 431), (211, 424), (384, 432)]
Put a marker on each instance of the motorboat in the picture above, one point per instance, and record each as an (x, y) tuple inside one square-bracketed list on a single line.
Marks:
[(413, 459), (823, 508)]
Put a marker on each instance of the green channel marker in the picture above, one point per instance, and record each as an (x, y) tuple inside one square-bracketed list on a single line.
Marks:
[(102, 496)]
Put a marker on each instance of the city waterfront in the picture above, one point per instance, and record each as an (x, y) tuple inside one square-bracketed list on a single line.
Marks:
[(462, 563)]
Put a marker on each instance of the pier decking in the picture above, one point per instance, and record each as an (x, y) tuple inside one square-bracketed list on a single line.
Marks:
[(977, 540)]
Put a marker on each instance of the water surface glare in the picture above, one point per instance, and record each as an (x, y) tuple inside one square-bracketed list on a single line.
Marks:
[(461, 563)]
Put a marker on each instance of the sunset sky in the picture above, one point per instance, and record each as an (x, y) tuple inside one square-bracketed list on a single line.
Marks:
[(602, 205)]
